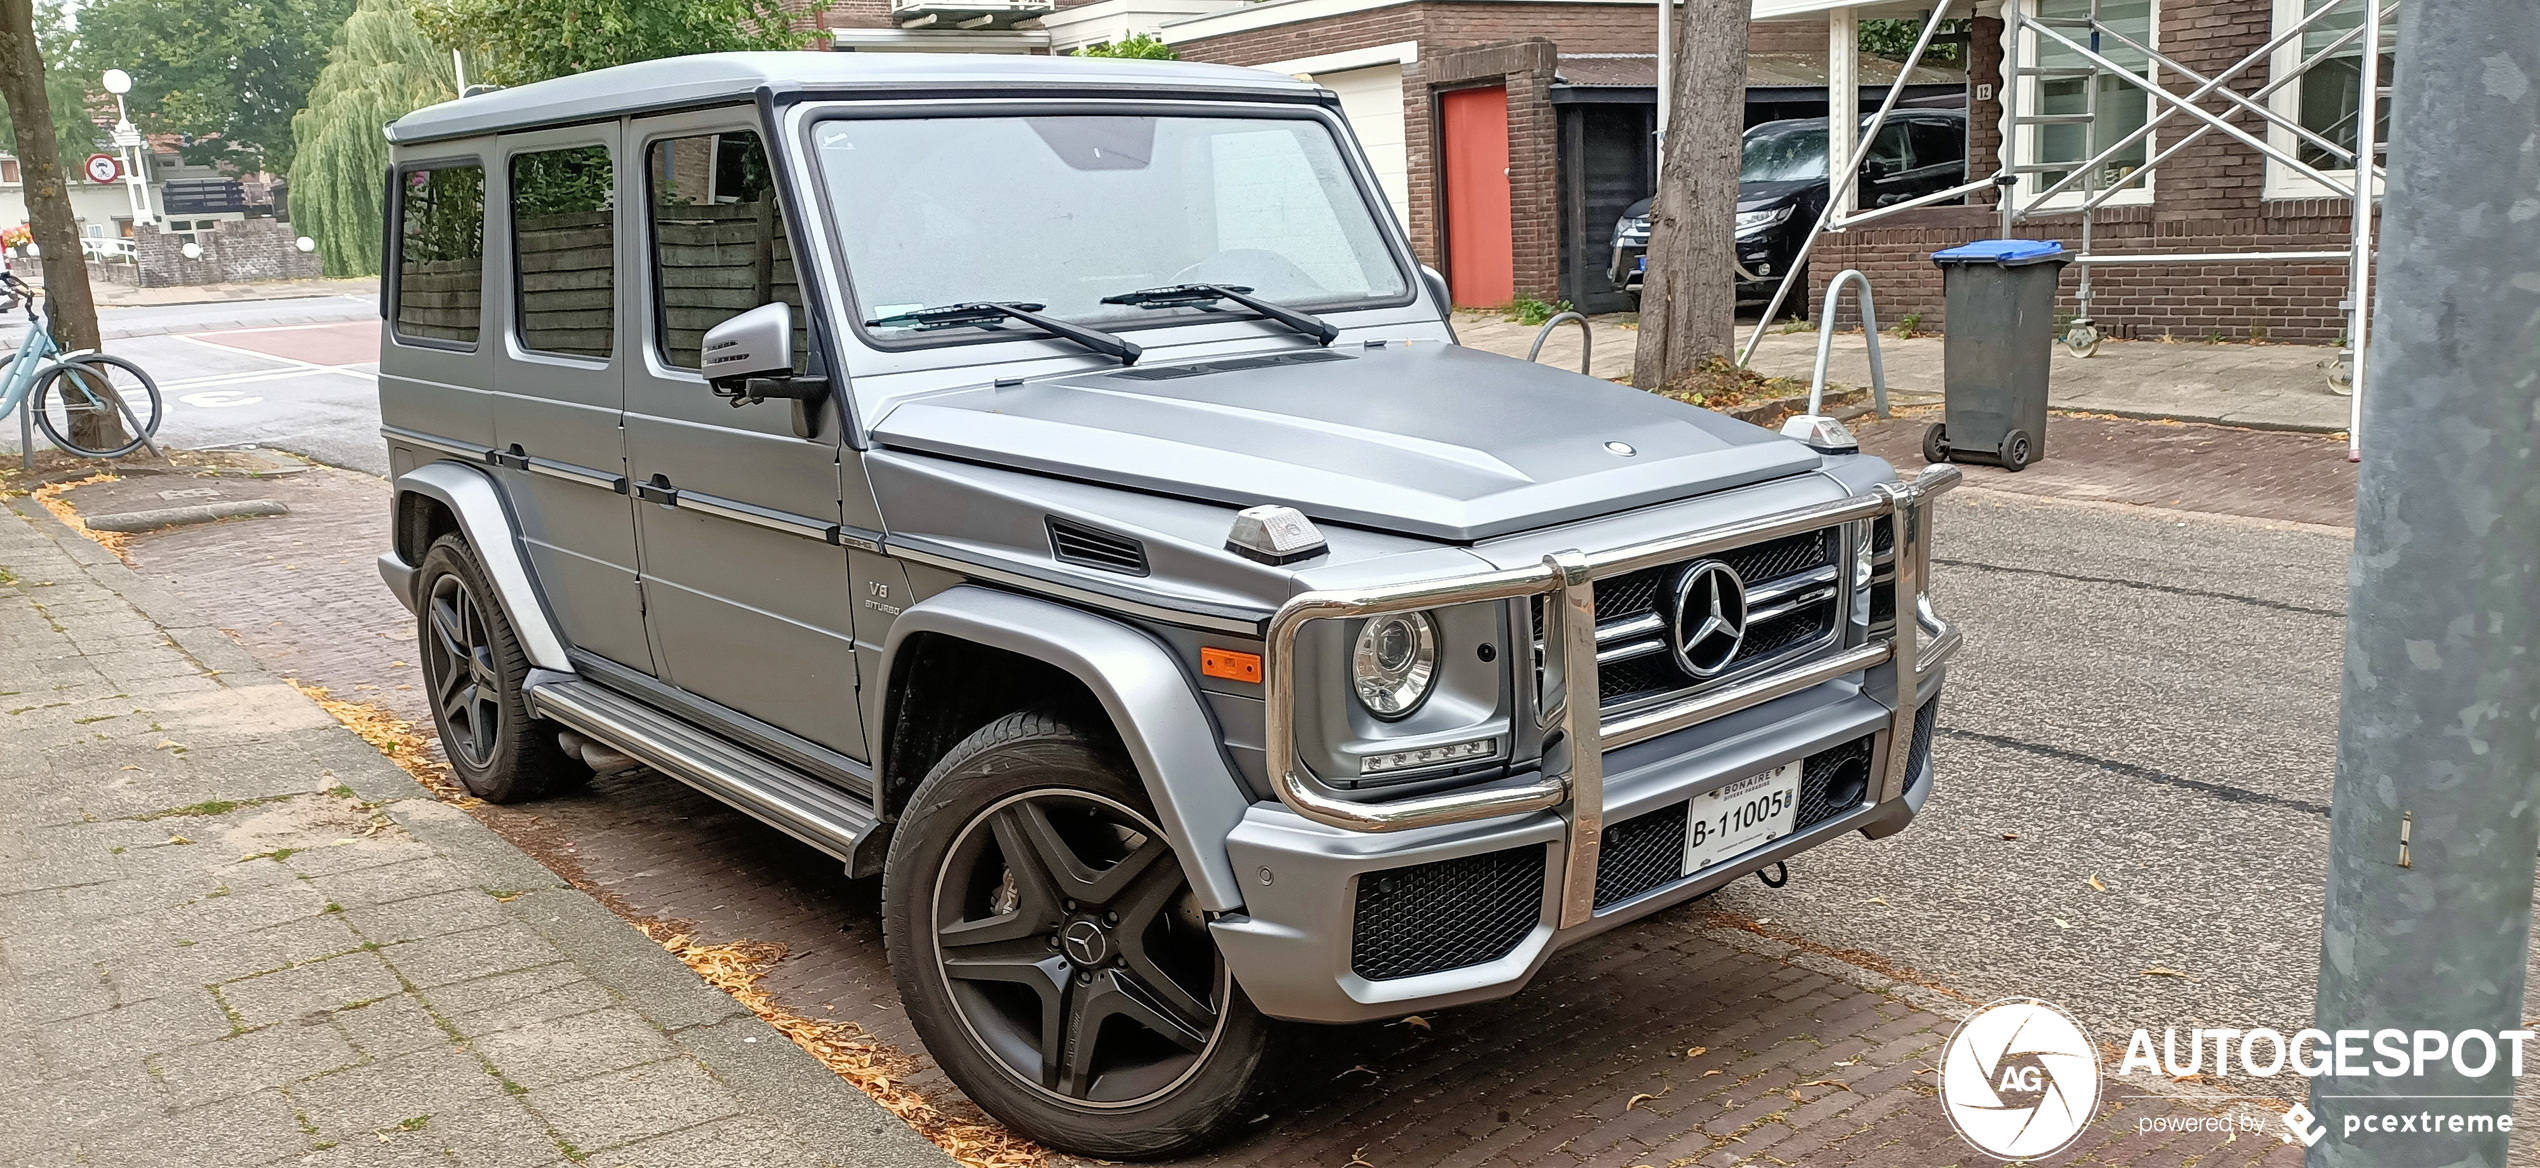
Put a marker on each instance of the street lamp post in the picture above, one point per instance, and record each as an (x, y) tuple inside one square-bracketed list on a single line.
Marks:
[(128, 143)]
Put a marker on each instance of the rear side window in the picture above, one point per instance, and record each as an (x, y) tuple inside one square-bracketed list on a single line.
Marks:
[(719, 245), (1889, 147), (1937, 142), (564, 253), (441, 253)]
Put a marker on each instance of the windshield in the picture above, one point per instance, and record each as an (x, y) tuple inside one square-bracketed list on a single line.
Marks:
[(1066, 210), (1784, 156)]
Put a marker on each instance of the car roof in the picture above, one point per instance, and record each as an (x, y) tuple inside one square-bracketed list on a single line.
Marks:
[(732, 78), (1898, 115)]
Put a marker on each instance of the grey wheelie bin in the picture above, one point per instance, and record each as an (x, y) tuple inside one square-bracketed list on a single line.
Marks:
[(2000, 334)]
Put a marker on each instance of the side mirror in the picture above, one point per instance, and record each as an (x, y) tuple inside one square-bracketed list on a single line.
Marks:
[(1435, 281), (757, 343)]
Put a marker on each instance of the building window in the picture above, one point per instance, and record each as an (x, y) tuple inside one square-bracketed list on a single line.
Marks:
[(2324, 99), (2069, 85), (441, 253), (564, 250), (9, 170)]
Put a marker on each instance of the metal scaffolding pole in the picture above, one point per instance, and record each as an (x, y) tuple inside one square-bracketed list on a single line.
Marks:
[(2359, 265), (2436, 814), (1842, 181)]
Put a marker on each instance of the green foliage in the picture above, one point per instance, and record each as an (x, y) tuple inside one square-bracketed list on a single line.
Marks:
[(1893, 39), (1908, 325), (445, 214), (555, 182), (521, 41), (235, 70), (75, 130), (1143, 46), (1527, 310), (380, 70)]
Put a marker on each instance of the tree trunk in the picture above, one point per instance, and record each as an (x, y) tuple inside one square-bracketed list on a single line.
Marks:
[(68, 304), (1688, 302)]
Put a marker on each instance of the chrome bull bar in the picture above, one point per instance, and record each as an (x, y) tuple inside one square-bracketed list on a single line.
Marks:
[(1573, 777)]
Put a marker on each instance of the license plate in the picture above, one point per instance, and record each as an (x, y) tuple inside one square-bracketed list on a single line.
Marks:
[(1745, 814), (1641, 264)]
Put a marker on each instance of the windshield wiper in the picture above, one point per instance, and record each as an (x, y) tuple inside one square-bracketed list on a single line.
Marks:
[(985, 311), (1186, 295)]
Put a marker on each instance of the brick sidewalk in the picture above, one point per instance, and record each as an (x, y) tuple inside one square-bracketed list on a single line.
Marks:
[(232, 934), (1547, 1077)]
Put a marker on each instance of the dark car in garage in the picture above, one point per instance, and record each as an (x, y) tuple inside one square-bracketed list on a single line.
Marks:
[(1782, 188)]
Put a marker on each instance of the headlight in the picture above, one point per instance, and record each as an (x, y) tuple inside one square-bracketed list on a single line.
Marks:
[(1628, 231), (1758, 220), (1395, 663)]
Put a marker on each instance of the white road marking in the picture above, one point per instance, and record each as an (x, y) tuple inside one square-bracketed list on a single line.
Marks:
[(219, 399)]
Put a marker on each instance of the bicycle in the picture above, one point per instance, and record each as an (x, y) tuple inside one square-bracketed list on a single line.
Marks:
[(66, 392)]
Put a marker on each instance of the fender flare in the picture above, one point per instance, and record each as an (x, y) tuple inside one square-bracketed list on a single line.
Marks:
[(1169, 735), (486, 520)]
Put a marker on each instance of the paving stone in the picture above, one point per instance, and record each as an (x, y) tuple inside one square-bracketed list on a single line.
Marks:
[(626, 1106), (560, 1050), (302, 990), (232, 1066), (356, 1101)]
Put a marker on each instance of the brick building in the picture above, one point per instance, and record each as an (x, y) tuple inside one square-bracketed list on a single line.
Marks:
[(2213, 195)]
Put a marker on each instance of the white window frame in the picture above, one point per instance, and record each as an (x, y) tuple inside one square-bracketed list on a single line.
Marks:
[(2282, 181), (2023, 147)]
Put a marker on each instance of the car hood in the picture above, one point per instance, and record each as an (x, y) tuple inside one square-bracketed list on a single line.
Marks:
[(1423, 439)]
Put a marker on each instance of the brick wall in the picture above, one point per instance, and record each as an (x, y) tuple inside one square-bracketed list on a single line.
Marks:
[(1480, 44), (234, 252)]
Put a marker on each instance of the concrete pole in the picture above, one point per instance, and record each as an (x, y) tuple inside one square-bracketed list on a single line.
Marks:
[(2437, 807), (1843, 103)]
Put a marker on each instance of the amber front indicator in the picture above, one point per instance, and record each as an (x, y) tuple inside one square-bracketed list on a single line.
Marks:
[(1232, 666)]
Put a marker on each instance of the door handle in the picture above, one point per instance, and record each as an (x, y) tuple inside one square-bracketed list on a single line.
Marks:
[(657, 492)]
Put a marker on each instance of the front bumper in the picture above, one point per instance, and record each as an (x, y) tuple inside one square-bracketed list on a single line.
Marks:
[(1317, 901), (1756, 256), (1535, 846)]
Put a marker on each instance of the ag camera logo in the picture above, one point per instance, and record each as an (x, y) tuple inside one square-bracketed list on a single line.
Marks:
[(2019, 1079)]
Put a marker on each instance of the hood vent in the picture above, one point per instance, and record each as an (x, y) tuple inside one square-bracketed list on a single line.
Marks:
[(1075, 543), (1235, 365)]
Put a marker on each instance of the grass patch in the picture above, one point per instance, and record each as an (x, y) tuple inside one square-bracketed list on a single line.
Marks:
[(1527, 310), (209, 807), (277, 855), (506, 895)]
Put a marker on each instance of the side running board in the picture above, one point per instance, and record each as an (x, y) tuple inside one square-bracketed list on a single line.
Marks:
[(788, 800)]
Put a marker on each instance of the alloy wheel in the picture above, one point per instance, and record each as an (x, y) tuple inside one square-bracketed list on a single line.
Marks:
[(1073, 950), (466, 688)]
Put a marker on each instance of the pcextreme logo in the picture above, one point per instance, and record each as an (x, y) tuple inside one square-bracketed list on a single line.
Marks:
[(2019, 1079)]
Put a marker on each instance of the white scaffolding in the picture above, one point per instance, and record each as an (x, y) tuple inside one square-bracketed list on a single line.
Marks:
[(2089, 38)]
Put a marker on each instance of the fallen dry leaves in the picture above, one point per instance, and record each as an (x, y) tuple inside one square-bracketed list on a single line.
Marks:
[(392, 736), (843, 1047), (50, 495)]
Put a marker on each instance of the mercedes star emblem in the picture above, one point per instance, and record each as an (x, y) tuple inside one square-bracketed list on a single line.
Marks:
[(1710, 618)]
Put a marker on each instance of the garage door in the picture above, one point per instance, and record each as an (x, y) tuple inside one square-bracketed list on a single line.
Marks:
[(1372, 100)]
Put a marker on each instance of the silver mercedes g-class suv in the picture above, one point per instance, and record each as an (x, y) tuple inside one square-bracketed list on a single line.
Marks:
[(1054, 486)]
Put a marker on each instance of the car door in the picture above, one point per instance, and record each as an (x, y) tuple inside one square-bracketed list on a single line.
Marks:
[(1891, 160), (559, 383), (1940, 153), (737, 507)]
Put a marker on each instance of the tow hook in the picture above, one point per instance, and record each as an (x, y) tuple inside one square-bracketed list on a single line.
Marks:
[(1780, 876)]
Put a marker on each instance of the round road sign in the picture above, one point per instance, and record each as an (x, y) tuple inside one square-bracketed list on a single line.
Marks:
[(103, 168)]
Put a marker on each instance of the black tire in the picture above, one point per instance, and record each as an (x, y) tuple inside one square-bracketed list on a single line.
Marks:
[(2017, 451), (1936, 443), (1136, 966), (472, 670), (96, 384)]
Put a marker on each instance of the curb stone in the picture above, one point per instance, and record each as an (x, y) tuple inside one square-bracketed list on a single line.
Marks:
[(772, 1080)]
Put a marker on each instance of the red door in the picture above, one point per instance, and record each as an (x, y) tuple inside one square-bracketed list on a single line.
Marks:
[(1481, 268)]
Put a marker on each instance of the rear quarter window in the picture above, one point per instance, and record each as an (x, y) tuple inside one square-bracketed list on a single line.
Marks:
[(441, 254)]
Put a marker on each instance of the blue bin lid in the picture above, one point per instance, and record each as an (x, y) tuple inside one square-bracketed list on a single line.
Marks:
[(2001, 251)]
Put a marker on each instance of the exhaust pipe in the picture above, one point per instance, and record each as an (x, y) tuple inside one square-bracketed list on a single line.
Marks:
[(601, 759)]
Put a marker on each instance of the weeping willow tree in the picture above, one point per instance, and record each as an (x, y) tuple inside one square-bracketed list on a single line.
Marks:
[(381, 69)]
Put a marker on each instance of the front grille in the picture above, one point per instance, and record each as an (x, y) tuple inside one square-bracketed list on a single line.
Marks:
[(1640, 854), (1650, 591), (1834, 781), (1432, 917)]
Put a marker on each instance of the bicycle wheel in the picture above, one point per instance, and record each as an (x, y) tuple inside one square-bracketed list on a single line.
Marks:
[(89, 404)]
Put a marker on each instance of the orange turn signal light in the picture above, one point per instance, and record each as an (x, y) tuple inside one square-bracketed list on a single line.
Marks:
[(1231, 665)]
